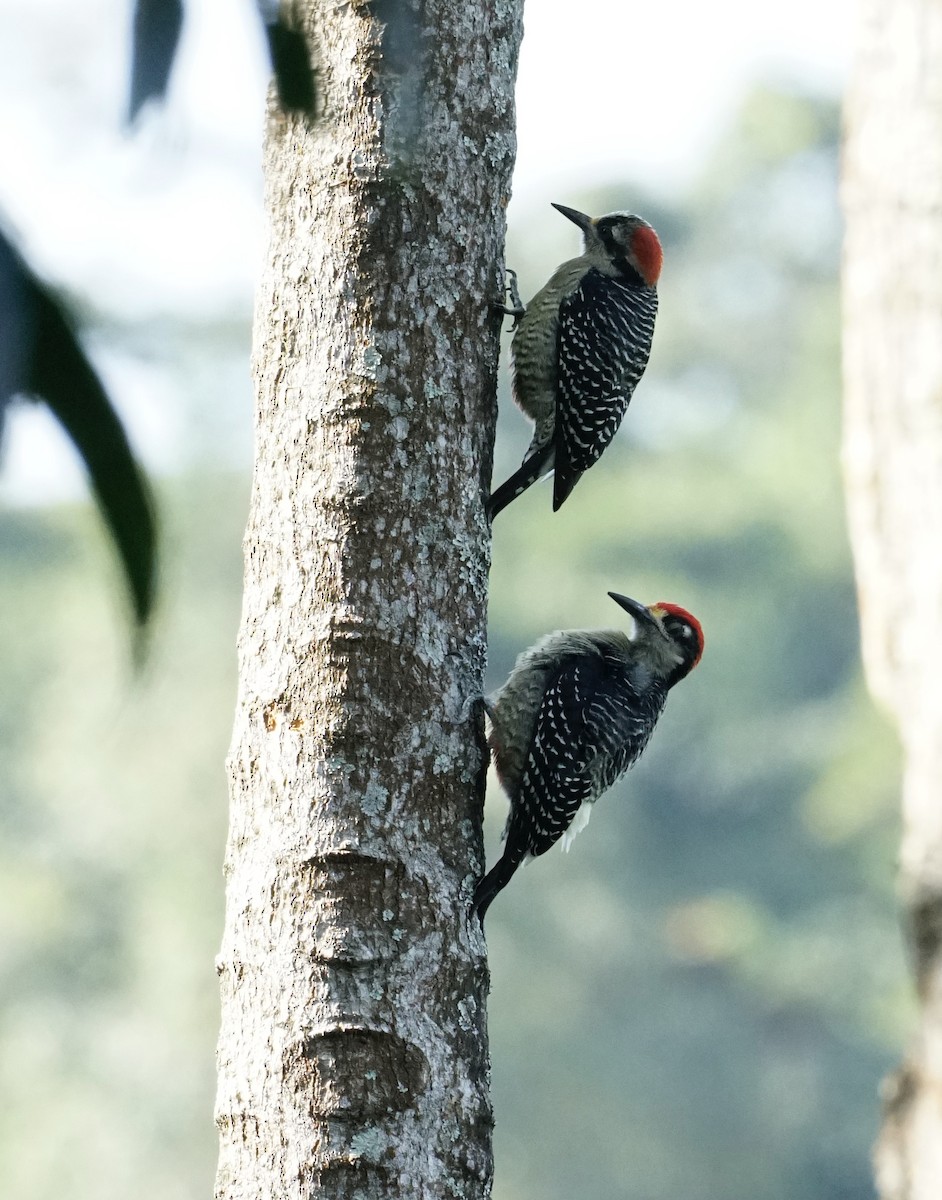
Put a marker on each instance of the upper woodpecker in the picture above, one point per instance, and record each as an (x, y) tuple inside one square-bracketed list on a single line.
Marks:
[(574, 715), (580, 348)]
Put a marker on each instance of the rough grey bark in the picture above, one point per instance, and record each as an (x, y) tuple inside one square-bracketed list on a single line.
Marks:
[(892, 193), (352, 1053)]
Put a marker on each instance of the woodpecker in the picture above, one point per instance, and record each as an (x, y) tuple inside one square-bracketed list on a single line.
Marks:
[(575, 713), (580, 348)]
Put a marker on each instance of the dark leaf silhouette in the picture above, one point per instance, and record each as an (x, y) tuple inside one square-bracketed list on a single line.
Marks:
[(156, 37), (154, 41), (294, 76), (40, 356)]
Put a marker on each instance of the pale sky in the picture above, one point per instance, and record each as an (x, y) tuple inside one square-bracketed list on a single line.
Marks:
[(170, 222)]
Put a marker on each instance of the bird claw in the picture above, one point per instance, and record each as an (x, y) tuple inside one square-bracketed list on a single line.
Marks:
[(493, 739), (516, 308)]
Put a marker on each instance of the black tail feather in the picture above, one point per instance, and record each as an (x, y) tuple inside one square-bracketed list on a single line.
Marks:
[(496, 879), (563, 483), (525, 475)]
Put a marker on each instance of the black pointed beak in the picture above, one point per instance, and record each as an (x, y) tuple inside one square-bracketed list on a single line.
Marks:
[(638, 610), (575, 216)]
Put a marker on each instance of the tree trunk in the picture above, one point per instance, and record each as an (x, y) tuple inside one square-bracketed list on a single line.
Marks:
[(352, 1055), (893, 461)]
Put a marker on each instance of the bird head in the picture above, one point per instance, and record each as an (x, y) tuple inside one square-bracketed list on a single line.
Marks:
[(671, 637), (620, 238)]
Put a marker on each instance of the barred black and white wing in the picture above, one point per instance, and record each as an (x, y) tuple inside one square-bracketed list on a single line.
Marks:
[(605, 331), (592, 725)]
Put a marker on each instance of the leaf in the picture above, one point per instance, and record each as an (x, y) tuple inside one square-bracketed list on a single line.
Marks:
[(291, 63), (156, 35), (41, 356), (154, 40)]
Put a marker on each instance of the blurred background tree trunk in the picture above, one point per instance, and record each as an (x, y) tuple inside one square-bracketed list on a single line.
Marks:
[(892, 191), (353, 1052)]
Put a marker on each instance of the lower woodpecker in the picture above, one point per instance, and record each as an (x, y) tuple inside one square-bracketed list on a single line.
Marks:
[(574, 715)]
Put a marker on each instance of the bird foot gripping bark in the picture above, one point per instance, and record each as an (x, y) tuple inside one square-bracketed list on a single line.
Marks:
[(515, 308)]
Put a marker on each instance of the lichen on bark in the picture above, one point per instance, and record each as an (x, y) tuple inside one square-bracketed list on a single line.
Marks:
[(352, 1052)]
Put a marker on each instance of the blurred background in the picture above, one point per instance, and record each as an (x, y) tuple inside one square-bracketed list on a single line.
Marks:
[(700, 999)]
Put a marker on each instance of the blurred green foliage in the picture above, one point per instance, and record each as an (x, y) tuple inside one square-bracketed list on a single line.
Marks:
[(699, 1001), (112, 821)]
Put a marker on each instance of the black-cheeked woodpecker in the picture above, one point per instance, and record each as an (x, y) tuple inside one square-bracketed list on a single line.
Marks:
[(580, 348), (575, 713)]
